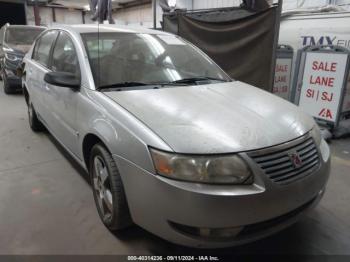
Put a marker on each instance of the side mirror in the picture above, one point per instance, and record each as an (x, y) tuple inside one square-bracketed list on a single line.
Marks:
[(62, 79)]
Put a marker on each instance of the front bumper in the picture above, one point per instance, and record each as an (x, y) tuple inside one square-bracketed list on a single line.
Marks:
[(172, 209), (10, 73), (14, 82)]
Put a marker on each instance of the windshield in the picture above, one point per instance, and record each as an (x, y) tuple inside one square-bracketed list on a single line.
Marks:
[(145, 58), (21, 36)]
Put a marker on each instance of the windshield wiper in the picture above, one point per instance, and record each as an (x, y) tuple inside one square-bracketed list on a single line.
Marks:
[(121, 85), (197, 79), (186, 81), (171, 83)]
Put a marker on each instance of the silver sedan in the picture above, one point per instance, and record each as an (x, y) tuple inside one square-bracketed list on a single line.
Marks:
[(171, 143)]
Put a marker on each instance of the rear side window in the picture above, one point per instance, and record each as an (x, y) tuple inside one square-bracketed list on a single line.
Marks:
[(43, 46), (64, 56)]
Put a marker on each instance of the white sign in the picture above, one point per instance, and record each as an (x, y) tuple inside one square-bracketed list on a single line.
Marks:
[(282, 77), (346, 103), (322, 85)]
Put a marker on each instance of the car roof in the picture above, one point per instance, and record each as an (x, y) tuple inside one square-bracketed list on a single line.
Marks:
[(105, 28)]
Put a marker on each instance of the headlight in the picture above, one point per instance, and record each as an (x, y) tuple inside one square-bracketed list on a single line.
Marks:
[(203, 169), (325, 152), (316, 134), (11, 57), (321, 143)]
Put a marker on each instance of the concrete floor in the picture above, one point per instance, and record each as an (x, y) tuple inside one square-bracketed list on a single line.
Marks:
[(46, 204)]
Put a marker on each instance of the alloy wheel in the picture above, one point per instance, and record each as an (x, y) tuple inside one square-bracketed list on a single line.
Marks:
[(102, 188)]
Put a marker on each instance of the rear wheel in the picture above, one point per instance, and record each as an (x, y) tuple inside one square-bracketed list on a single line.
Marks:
[(108, 190), (34, 122)]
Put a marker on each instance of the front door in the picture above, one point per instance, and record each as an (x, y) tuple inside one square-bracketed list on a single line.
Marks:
[(63, 101)]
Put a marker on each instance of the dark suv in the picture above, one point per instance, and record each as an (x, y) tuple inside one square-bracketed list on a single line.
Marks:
[(15, 42)]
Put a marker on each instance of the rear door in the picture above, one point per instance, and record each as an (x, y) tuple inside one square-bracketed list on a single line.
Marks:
[(62, 100)]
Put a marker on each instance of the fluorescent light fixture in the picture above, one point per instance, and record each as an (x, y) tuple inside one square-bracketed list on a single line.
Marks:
[(172, 3)]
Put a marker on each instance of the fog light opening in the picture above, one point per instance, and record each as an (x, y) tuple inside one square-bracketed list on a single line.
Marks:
[(208, 233), (219, 232)]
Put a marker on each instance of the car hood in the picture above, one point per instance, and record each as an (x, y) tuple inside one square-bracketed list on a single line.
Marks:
[(218, 118)]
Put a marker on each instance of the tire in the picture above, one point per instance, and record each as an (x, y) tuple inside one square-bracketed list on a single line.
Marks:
[(34, 122), (108, 190), (7, 87)]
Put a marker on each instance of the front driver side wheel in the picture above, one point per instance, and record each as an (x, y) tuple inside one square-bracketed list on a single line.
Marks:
[(108, 190), (34, 122)]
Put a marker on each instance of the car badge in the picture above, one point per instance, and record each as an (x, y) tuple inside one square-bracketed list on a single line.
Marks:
[(296, 159)]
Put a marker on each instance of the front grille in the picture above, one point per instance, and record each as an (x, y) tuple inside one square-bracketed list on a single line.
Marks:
[(278, 164)]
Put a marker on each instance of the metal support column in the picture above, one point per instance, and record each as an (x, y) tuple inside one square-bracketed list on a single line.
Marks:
[(277, 31), (36, 13), (53, 15), (154, 4)]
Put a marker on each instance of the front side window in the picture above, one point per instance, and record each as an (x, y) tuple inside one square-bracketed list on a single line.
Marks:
[(43, 47), (146, 58), (64, 57)]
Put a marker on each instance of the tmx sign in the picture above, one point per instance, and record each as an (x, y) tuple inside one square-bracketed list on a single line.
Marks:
[(325, 40)]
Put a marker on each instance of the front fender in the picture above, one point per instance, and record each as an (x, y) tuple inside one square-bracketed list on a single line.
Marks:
[(120, 142), (124, 135)]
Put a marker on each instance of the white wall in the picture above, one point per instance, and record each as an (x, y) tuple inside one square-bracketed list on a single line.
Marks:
[(203, 4), (63, 16), (67, 16), (292, 4), (138, 15), (30, 15)]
